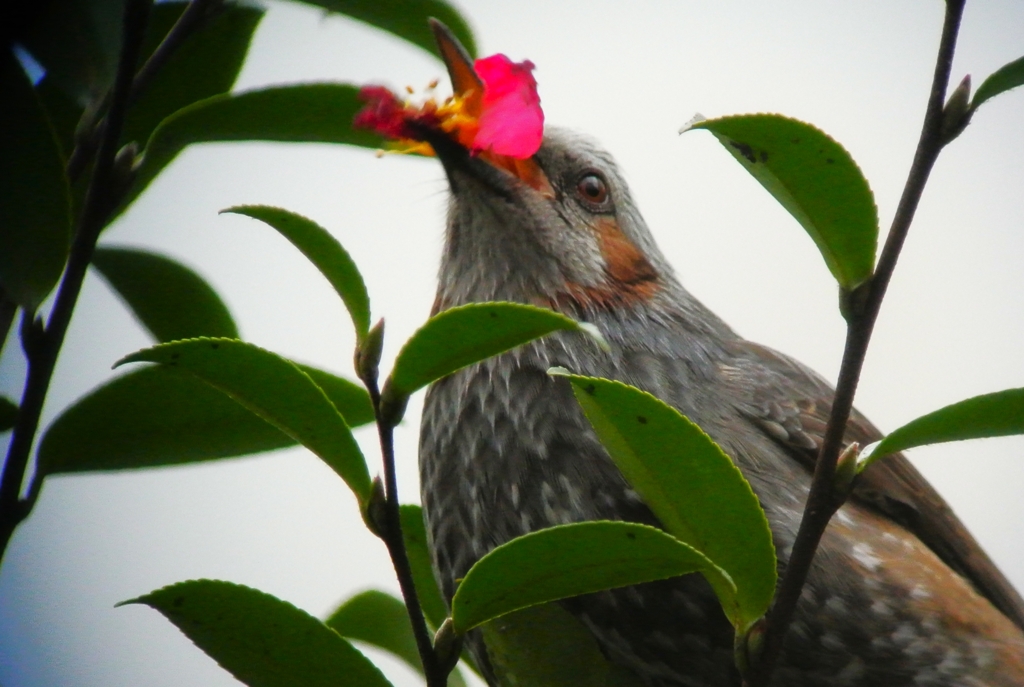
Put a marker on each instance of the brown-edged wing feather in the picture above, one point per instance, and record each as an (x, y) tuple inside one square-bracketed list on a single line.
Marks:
[(791, 403)]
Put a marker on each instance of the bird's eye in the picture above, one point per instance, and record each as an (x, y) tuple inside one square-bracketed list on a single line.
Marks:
[(592, 188)]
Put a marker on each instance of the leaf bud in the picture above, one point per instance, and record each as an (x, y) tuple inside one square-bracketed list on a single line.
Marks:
[(447, 646), (392, 404), (375, 513), (956, 115), (368, 352), (747, 647), (125, 169), (846, 471)]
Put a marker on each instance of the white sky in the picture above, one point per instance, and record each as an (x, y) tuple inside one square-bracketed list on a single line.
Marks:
[(630, 74)]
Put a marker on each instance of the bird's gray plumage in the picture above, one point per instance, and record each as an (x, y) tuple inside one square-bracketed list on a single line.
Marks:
[(505, 450)]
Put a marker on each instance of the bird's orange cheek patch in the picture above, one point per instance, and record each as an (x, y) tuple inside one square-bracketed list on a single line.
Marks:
[(627, 268), (630, 277)]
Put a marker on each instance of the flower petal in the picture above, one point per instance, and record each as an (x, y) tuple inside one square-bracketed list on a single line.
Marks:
[(383, 113), (512, 122)]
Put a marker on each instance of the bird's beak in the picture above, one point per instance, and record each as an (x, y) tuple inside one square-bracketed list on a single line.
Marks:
[(466, 83)]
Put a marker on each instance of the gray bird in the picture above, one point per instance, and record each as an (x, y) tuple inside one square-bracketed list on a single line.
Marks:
[(899, 594)]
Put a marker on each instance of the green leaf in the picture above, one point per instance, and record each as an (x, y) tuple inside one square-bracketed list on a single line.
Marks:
[(569, 560), (156, 416), (547, 646), (468, 334), (414, 532), (998, 414), (406, 19), (1003, 79), (349, 398), (308, 113), (432, 603), (168, 299), (815, 179), (324, 251), (261, 640), (275, 389), (206, 64), (35, 201), (8, 413), (379, 619), (692, 487)]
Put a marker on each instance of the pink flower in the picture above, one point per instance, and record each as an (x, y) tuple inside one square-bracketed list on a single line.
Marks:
[(504, 121), (511, 121)]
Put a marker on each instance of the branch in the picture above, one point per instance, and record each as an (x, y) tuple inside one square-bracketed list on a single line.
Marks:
[(42, 345), (194, 17), (823, 501), (391, 532)]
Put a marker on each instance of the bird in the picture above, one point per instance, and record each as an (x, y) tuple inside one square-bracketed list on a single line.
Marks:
[(899, 593)]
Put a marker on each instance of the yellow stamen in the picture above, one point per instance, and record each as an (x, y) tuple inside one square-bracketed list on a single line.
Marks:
[(406, 146)]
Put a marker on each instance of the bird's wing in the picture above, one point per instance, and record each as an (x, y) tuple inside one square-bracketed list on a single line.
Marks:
[(791, 403)]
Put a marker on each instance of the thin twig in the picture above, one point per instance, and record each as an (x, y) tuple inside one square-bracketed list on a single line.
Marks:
[(822, 502), (395, 542), (197, 14), (43, 345), (194, 17)]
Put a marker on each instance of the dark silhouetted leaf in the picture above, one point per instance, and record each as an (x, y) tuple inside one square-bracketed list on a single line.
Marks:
[(157, 416), (276, 390), (64, 115), (78, 43), (168, 299), (1003, 79), (205, 64), (815, 179), (569, 560), (324, 251), (991, 415), (262, 640), (691, 486), (62, 111), (8, 413), (468, 334), (406, 19), (35, 201)]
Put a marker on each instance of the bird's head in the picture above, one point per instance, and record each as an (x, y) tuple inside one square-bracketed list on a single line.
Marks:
[(566, 235), (555, 226)]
